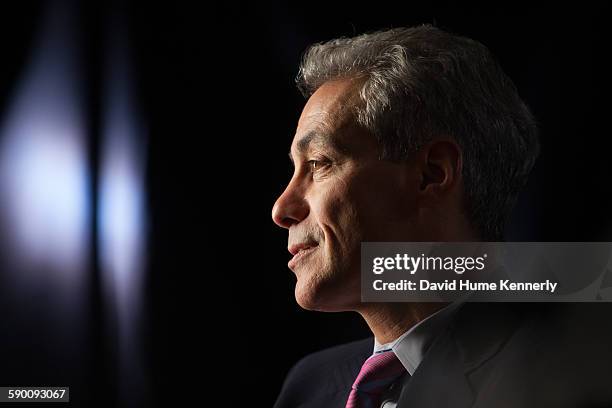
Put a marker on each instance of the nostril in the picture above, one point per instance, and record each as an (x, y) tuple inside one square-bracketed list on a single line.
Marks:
[(288, 222), (277, 216)]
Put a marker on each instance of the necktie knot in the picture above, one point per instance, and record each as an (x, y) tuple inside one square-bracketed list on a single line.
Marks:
[(377, 374)]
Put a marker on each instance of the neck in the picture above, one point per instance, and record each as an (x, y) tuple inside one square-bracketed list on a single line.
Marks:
[(388, 321)]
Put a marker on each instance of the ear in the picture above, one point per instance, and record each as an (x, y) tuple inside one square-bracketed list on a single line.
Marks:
[(441, 164)]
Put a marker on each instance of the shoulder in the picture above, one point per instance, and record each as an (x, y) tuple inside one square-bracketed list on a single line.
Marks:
[(554, 354), (331, 357), (325, 373)]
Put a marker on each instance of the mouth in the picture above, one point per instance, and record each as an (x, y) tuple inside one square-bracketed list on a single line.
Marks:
[(300, 252)]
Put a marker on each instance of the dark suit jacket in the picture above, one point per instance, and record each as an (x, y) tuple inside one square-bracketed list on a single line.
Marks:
[(490, 355)]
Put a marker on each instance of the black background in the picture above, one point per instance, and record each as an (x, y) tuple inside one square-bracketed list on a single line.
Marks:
[(217, 88)]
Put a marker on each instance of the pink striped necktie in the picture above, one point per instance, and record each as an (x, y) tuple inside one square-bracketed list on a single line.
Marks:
[(376, 375)]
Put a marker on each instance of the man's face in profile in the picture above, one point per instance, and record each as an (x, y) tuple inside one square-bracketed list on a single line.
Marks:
[(340, 195)]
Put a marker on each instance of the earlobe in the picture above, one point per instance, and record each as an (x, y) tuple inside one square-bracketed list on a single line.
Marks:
[(441, 163)]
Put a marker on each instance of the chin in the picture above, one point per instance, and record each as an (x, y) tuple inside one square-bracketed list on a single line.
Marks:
[(323, 296), (307, 302)]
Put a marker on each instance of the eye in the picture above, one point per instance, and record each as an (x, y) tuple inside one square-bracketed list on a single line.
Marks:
[(316, 165)]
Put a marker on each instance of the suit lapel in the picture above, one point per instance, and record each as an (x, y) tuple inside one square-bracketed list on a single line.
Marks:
[(439, 381), (476, 334), (340, 380)]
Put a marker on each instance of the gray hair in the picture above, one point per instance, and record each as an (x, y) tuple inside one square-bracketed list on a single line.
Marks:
[(422, 82)]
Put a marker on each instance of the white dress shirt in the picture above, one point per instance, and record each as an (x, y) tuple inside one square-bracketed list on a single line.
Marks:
[(411, 346)]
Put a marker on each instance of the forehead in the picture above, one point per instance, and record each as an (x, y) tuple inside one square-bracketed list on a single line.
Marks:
[(329, 114), (331, 102)]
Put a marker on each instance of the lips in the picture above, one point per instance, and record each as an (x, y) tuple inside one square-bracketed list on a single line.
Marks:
[(300, 251), (294, 249)]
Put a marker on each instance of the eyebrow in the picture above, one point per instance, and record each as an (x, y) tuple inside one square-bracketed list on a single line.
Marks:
[(311, 138)]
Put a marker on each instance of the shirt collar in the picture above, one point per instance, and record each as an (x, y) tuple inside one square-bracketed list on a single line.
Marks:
[(411, 346)]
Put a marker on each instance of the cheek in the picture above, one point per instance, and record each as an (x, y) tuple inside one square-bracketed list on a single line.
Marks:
[(336, 214), (383, 213)]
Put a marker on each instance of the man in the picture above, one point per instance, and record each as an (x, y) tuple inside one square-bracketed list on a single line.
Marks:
[(414, 134)]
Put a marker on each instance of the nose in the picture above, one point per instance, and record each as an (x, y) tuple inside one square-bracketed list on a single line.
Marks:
[(291, 207)]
